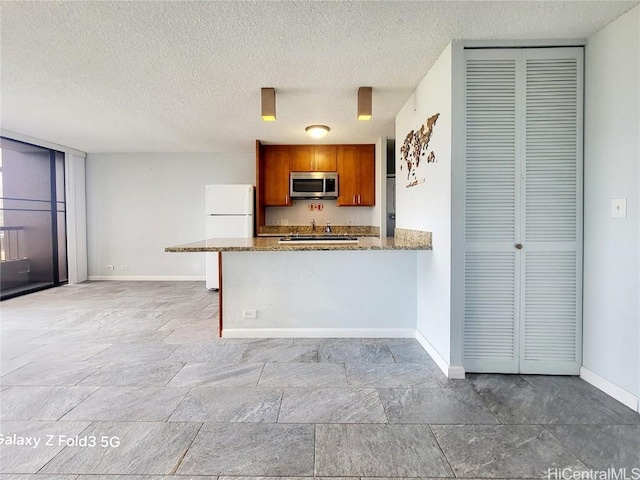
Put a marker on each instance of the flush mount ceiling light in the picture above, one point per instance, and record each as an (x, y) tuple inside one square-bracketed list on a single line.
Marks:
[(364, 103), (269, 104), (317, 131)]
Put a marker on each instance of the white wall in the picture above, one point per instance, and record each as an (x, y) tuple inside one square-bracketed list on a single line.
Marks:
[(323, 293), (427, 206), (139, 203), (612, 170)]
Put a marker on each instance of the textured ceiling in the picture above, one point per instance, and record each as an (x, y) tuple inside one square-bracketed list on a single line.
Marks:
[(175, 76)]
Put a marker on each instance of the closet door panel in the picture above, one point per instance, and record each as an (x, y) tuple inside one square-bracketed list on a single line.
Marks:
[(552, 229), (491, 297)]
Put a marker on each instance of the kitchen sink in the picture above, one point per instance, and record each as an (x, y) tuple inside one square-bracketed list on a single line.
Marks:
[(322, 239)]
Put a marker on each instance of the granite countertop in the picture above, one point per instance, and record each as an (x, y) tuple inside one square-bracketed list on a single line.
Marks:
[(267, 244)]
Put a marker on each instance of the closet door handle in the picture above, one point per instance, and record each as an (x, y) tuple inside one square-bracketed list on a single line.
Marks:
[(519, 246)]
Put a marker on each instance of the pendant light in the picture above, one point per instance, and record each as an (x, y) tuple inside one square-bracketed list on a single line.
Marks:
[(365, 96), (317, 131), (269, 104)]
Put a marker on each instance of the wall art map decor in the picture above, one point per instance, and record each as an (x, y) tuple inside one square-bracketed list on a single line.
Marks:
[(415, 150)]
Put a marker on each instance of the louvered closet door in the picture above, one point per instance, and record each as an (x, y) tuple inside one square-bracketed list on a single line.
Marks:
[(551, 334), (491, 299), (523, 188)]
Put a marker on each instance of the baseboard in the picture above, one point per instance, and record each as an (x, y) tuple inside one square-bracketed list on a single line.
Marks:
[(611, 389), (131, 278), (318, 332), (453, 372)]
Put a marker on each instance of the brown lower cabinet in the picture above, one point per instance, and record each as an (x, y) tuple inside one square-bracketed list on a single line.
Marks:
[(356, 173)]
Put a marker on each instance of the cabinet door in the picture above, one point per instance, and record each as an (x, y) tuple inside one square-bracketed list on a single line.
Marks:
[(324, 158), (276, 175), (302, 158), (366, 176), (347, 164)]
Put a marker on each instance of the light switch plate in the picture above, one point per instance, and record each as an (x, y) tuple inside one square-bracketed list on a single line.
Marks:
[(619, 208)]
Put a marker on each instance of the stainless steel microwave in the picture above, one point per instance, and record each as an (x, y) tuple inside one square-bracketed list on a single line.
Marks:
[(313, 185)]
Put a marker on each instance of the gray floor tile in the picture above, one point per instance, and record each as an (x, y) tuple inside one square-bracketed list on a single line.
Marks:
[(81, 318), (272, 342), (280, 353), (64, 353), (229, 405), (410, 353), (136, 373), (144, 447), (261, 449), (192, 324), (599, 400), (435, 406), (50, 373), (8, 366), (223, 477), (134, 336), (602, 447), (378, 450), (200, 335), (133, 352), (102, 336), (40, 403), (515, 400), (355, 354), (136, 319), (331, 405), (120, 404), (298, 375), (391, 375), (30, 458), (216, 353), (503, 451), (218, 375), (157, 323), (26, 476), (124, 477), (15, 341)]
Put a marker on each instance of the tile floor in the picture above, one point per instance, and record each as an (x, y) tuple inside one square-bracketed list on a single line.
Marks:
[(130, 380)]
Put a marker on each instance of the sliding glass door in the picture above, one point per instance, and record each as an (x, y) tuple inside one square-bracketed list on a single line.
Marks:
[(33, 245)]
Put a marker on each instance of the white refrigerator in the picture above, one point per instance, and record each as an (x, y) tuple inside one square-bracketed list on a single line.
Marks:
[(229, 214)]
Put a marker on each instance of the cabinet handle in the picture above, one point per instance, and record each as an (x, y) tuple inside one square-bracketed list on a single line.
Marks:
[(519, 246), (359, 199), (286, 199), (353, 200)]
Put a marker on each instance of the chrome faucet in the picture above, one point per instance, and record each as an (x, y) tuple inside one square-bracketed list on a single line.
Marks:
[(327, 229), (313, 225)]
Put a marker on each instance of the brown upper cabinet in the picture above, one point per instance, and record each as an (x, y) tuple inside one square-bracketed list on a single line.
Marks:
[(356, 173), (276, 168), (313, 158), (355, 165)]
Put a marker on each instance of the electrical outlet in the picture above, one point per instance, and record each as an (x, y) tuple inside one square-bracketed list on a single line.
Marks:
[(275, 222), (284, 221), (124, 267), (252, 314), (349, 222), (109, 267)]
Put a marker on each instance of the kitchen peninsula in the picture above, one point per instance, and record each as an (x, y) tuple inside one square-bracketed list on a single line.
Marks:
[(364, 289)]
